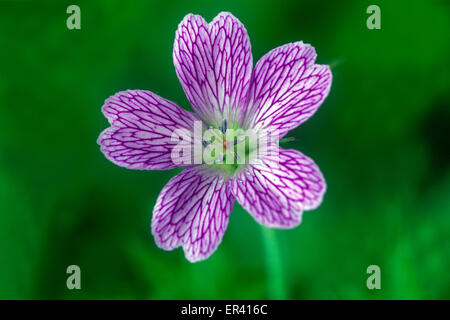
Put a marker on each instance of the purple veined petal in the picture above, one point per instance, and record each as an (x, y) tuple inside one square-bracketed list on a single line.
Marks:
[(287, 88), (279, 188), (142, 124), (214, 64), (192, 211)]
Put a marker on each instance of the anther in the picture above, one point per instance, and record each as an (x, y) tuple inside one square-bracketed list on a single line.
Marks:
[(223, 127)]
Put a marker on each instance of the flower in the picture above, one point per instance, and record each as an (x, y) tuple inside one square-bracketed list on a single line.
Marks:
[(215, 67)]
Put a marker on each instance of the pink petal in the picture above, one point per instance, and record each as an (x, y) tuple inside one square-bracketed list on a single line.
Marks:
[(142, 124), (214, 64), (277, 190), (287, 87), (192, 211)]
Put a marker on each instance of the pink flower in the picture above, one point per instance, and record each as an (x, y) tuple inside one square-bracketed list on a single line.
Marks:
[(215, 67)]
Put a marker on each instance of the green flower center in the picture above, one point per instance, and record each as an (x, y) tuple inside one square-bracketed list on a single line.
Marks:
[(228, 149)]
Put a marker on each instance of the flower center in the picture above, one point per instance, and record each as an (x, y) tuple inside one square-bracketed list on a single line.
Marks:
[(226, 148)]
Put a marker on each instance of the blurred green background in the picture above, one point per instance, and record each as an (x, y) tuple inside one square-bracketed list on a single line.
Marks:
[(381, 139)]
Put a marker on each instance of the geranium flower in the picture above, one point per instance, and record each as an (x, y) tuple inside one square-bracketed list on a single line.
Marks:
[(214, 65)]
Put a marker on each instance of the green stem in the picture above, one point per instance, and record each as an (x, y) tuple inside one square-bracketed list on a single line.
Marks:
[(275, 278)]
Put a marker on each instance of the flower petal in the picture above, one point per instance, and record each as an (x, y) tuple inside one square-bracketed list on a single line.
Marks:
[(278, 189), (142, 124), (214, 64), (287, 87), (192, 211)]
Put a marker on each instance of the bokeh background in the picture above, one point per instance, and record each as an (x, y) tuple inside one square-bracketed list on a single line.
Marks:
[(381, 139)]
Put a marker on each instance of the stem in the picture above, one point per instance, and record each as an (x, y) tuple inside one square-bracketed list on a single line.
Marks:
[(275, 278)]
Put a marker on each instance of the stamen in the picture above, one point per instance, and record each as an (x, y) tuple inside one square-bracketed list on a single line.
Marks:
[(223, 126), (239, 138), (236, 156)]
